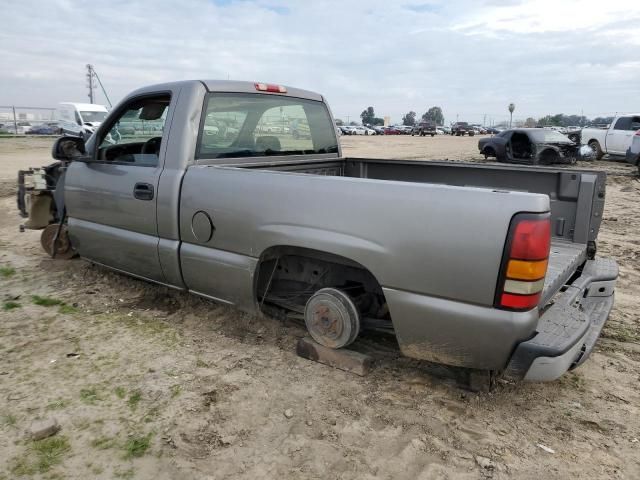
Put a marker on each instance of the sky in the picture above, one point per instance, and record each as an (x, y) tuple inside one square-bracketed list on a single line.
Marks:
[(472, 58)]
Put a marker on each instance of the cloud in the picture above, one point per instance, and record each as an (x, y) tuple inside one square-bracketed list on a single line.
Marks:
[(471, 58)]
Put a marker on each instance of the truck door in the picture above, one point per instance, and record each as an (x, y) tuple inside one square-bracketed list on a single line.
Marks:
[(111, 199), (619, 137)]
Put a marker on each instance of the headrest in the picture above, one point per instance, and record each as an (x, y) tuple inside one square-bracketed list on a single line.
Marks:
[(268, 143), (152, 111)]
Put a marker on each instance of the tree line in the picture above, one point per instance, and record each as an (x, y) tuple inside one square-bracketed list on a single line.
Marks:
[(435, 115)]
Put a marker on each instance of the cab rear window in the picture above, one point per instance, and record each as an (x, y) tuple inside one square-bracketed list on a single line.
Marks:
[(249, 125)]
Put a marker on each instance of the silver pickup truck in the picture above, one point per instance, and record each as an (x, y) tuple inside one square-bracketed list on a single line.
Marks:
[(238, 192)]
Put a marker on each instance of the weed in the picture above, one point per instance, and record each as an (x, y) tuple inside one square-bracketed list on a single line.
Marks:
[(42, 455), (121, 392), (46, 301), (8, 419), (89, 395), (124, 473), (134, 399), (10, 306), (103, 443), (201, 363), (6, 272), (176, 390), (137, 446), (57, 404), (67, 309)]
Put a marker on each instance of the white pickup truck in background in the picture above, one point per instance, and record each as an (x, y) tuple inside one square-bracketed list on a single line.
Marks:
[(614, 140)]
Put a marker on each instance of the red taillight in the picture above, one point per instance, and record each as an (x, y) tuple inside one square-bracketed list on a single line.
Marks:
[(269, 87), (524, 265), (531, 239), (638, 133)]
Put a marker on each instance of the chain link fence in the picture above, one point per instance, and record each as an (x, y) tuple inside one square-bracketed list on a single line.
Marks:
[(18, 120)]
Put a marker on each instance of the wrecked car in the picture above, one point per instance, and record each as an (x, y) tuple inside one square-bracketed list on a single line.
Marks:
[(533, 146), (490, 267)]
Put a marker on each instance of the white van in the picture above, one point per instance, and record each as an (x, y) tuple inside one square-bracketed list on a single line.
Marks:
[(80, 119)]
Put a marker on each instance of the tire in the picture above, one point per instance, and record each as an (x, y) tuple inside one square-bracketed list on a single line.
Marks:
[(433, 135), (595, 146), (488, 152), (331, 318)]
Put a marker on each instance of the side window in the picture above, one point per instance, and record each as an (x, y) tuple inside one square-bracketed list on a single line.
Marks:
[(135, 135), (623, 123), (635, 124), (78, 119)]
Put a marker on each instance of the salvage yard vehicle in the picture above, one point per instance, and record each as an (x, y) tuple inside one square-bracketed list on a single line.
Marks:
[(424, 128), (462, 128), (614, 140), (533, 146), (80, 119), (490, 267)]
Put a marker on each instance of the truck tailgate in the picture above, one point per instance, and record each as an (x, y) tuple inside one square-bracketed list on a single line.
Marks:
[(564, 259)]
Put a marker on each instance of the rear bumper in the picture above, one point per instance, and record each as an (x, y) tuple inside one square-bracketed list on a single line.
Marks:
[(569, 328)]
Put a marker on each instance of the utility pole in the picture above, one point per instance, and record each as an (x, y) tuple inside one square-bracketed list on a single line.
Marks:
[(15, 122), (484, 120), (90, 84)]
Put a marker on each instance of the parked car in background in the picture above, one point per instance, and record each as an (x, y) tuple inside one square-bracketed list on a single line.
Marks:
[(345, 129), (43, 129), (493, 130), (445, 129), (462, 128), (379, 129), (532, 146), (423, 129), (615, 140), (391, 130), (80, 119)]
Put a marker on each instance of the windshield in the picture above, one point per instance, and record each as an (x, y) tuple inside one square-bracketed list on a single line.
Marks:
[(93, 116), (548, 136), (249, 124)]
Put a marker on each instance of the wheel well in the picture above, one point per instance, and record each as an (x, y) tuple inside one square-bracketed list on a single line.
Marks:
[(593, 140), (287, 276), (548, 154), (488, 149)]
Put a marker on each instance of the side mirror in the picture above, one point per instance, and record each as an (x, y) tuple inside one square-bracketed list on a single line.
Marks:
[(69, 148)]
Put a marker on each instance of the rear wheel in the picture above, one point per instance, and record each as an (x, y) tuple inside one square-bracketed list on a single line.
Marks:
[(597, 150), (332, 318)]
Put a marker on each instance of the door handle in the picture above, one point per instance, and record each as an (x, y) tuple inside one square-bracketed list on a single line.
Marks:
[(143, 191)]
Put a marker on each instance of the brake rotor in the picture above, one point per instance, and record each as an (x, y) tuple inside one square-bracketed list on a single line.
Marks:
[(63, 250), (332, 318)]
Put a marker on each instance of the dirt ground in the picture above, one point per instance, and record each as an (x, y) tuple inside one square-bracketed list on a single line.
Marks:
[(150, 383)]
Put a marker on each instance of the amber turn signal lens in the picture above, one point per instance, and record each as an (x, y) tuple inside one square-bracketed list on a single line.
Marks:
[(527, 270)]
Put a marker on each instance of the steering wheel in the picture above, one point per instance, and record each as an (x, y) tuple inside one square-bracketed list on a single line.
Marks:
[(152, 146)]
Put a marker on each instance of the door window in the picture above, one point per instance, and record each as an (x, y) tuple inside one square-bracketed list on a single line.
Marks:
[(623, 123), (635, 124), (135, 136)]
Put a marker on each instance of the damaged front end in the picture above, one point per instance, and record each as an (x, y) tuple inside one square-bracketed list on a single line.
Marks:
[(561, 153), (40, 198)]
